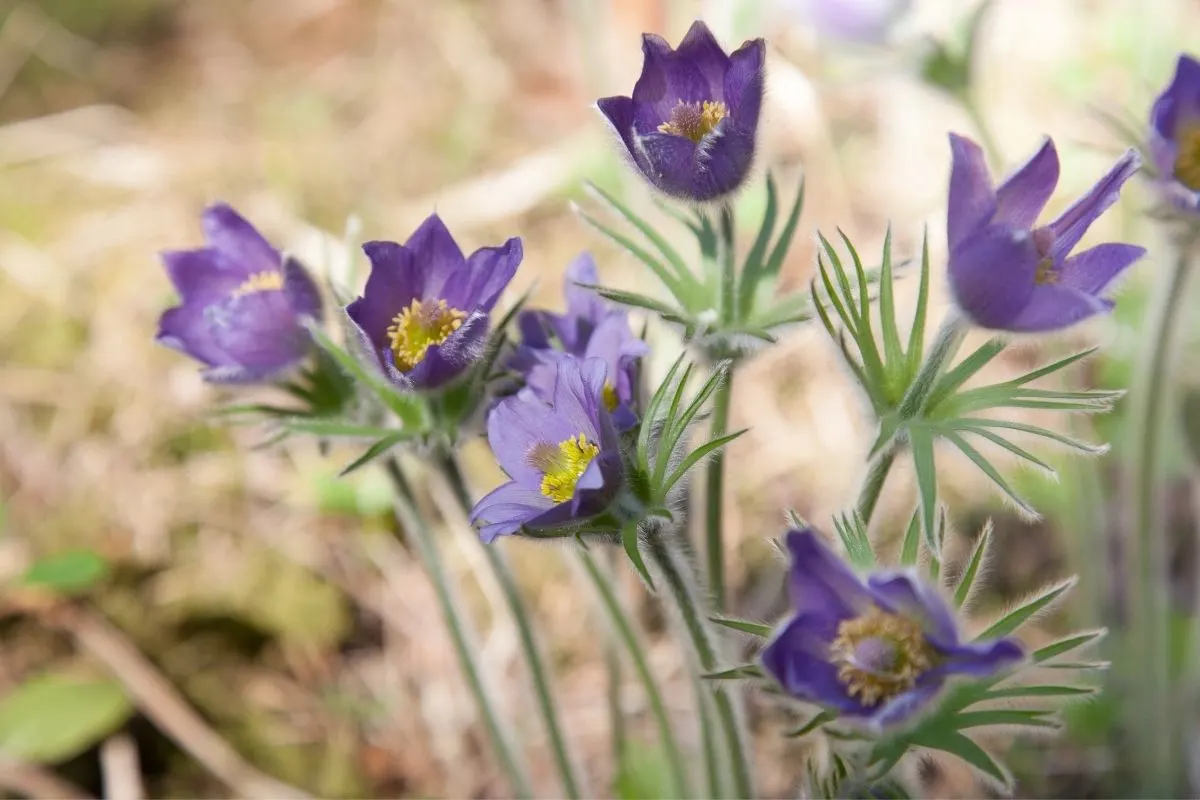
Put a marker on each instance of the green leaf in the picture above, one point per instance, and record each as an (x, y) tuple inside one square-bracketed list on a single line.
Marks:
[(650, 417), (1034, 718), (909, 549), (1026, 610), (964, 371), (55, 716), (741, 672), (67, 573), (745, 626), (644, 773), (784, 242), (635, 300), (672, 282), (1018, 692), (701, 452), (1016, 450), (374, 451), (1051, 368), (1066, 645), (817, 721), (653, 236), (753, 266), (920, 441), (986, 467), (631, 540), (971, 571), (409, 408), (329, 428), (916, 336), (976, 423), (677, 426), (957, 744), (853, 534), (893, 350)]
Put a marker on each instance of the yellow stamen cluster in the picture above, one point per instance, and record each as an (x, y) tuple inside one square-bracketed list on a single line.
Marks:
[(266, 281), (1046, 273), (694, 120), (611, 401), (562, 465), (420, 326), (1187, 162), (900, 655)]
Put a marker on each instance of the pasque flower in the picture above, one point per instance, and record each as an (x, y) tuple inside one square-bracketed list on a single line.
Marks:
[(877, 649), (590, 328), (691, 123), (562, 455), (424, 311), (1008, 274), (243, 305), (1175, 136)]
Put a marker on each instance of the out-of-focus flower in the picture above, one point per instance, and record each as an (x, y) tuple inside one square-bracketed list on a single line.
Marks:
[(243, 305), (591, 328), (1175, 136), (878, 649), (563, 456), (424, 311), (864, 21), (690, 125), (1007, 274)]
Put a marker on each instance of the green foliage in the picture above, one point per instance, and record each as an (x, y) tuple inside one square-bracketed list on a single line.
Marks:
[(644, 773), (57, 715), (68, 573)]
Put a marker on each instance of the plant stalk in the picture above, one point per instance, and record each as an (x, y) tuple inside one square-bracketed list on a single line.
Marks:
[(714, 496), (451, 607), (678, 574), (547, 707), (1146, 558), (624, 630), (868, 498)]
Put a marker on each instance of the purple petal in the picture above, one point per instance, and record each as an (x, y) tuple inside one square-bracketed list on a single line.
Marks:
[(1053, 307), (744, 83), (186, 329), (981, 659), (906, 594), (667, 80), (507, 508), (201, 275), (435, 254), (613, 343), (820, 583), (444, 362), (230, 234), (259, 331), (479, 282), (578, 394), (972, 201), (583, 302), (992, 275), (535, 332), (1021, 198), (619, 113), (516, 425), (1180, 102), (797, 658), (391, 287), (302, 293), (1092, 270), (1071, 225), (902, 707), (700, 48), (700, 171)]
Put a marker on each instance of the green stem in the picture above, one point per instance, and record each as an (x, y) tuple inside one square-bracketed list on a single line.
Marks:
[(708, 740), (728, 299), (714, 496), (525, 632), (945, 344), (1148, 627), (422, 537), (678, 574), (612, 663), (868, 498), (624, 631)]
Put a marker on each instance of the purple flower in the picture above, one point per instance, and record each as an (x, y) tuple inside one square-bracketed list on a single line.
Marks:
[(1007, 274), (691, 123), (591, 328), (865, 21), (424, 311), (243, 305), (1175, 136), (878, 650), (562, 456)]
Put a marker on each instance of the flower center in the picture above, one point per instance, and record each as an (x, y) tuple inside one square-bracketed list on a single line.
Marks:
[(879, 655), (420, 326), (694, 120), (1046, 272), (270, 280), (1187, 163), (611, 401), (562, 465)]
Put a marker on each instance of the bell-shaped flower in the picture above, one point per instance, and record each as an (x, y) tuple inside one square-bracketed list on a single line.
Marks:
[(1175, 136)]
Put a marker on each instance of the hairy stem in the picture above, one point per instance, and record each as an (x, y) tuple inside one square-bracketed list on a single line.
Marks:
[(868, 498), (525, 632), (624, 630), (1148, 625), (714, 496), (668, 554), (451, 607)]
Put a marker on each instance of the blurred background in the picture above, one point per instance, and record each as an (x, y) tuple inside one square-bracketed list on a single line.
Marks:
[(252, 589)]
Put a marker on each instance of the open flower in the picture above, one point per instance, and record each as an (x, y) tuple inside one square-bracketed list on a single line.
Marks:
[(591, 328), (424, 311), (691, 123), (243, 305), (1175, 136), (878, 650), (1007, 274), (562, 455)]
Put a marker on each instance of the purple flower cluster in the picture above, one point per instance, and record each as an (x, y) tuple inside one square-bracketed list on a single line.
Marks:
[(878, 649), (1175, 136)]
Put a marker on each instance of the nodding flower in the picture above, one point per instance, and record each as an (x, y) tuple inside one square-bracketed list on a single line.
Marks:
[(243, 304), (691, 123), (877, 649), (424, 311), (1175, 136)]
